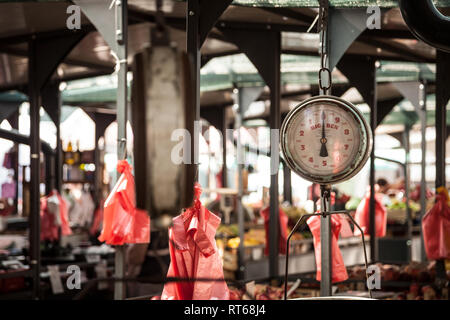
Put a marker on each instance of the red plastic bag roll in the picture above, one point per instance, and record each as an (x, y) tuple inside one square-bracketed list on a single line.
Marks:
[(436, 230), (339, 272), (283, 231), (362, 217), (122, 222), (194, 255)]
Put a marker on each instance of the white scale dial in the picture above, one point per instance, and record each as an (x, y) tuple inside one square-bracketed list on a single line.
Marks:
[(324, 140)]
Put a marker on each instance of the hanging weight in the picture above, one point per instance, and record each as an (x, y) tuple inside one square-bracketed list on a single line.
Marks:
[(161, 104)]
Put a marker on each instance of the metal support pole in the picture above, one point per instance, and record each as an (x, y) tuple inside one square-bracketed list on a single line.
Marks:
[(14, 121), (58, 155), (51, 101), (423, 146), (240, 167), (442, 98), (406, 174), (193, 50), (325, 191), (35, 156), (122, 102), (224, 149), (275, 122), (49, 173), (102, 121), (98, 172), (325, 242), (287, 184), (373, 126)]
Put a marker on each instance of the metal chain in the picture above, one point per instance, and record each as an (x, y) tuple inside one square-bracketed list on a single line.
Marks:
[(322, 29)]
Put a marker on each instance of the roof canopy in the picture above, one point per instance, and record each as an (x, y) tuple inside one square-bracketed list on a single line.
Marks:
[(402, 57)]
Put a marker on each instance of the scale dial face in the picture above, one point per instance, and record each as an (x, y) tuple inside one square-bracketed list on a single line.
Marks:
[(325, 140)]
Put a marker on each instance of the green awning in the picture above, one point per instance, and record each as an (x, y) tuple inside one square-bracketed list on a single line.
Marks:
[(225, 72), (13, 96)]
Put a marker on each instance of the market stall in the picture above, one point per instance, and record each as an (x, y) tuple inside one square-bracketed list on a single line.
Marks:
[(250, 64)]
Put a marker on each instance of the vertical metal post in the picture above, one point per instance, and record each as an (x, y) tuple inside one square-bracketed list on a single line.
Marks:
[(51, 101), (325, 242), (14, 121), (423, 146), (122, 101), (442, 98), (406, 174), (373, 126), (325, 220), (97, 176), (287, 184), (35, 156), (58, 151), (275, 122), (224, 149), (49, 172), (442, 81), (193, 50), (240, 168)]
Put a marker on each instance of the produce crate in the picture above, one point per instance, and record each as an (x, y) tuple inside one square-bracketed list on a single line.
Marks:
[(399, 215)]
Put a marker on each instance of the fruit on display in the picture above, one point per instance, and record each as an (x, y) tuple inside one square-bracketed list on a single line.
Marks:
[(397, 204), (412, 272), (230, 230), (352, 204), (249, 241), (266, 292), (294, 213)]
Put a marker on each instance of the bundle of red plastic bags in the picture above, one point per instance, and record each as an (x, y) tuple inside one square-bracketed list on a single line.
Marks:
[(339, 272), (436, 228), (362, 216), (194, 255), (122, 221), (54, 215), (283, 230)]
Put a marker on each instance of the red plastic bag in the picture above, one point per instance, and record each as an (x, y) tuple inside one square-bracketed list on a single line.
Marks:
[(49, 228), (64, 215), (436, 230), (194, 255), (339, 272), (362, 217), (98, 218), (283, 231), (346, 230), (55, 217), (122, 221)]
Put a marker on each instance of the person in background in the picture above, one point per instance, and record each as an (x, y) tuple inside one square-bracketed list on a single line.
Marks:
[(382, 187)]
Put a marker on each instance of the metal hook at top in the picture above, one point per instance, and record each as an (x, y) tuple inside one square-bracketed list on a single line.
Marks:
[(160, 33), (322, 27)]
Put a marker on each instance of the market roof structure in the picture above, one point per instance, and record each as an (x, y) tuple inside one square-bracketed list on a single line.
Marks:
[(402, 57)]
